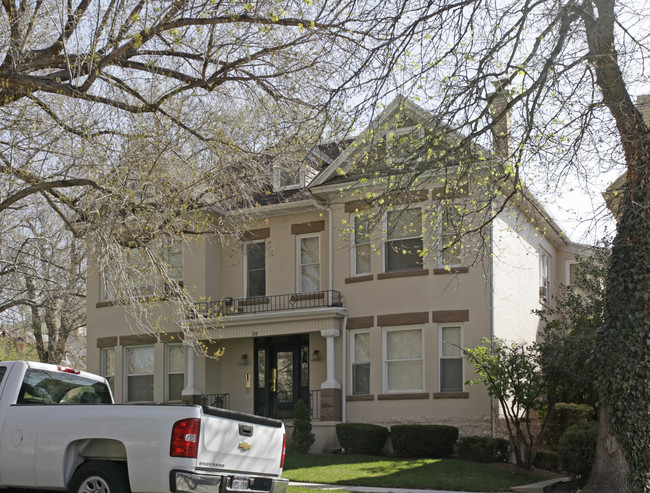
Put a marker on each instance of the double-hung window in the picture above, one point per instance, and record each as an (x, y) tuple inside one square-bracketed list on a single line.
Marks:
[(174, 253), (403, 246), (108, 366), (360, 363), (451, 358), (255, 268), (403, 360), (139, 373), (308, 269), (175, 366), (361, 245), (450, 237), (544, 277)]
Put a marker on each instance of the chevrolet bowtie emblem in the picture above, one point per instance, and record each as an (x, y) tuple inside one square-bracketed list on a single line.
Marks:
[(244, 445)]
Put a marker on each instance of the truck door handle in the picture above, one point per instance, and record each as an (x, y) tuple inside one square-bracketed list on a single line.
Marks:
[(274, 378)]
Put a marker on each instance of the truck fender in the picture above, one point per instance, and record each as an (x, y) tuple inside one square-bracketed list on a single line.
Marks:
[(81, 451)]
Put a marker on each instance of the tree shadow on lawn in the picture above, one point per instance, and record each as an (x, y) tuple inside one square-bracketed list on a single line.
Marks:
[(415, 473)]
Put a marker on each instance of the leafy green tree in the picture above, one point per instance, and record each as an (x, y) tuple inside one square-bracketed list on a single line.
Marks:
[(512, 376), (569, 330)]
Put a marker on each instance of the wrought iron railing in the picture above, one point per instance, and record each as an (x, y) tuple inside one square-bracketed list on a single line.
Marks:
[(221, 401), (314, 404), (260, 304)]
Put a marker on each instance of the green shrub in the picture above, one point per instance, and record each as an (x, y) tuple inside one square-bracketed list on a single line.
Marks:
[(423, 440), (484, 449), (302, 437), (577, 449), (565, 415), (361, 438), (547, 459)]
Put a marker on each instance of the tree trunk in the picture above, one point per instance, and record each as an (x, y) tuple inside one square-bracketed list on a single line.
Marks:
[(611, 470)]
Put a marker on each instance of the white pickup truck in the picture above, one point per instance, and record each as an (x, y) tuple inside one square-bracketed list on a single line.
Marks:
[(59, 430)]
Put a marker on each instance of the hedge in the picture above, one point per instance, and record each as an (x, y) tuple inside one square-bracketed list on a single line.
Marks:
[(361, 438), (423, 440), (483, 449)]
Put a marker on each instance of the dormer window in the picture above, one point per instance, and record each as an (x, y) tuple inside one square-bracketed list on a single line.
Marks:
[(289, 176), (403, 145)]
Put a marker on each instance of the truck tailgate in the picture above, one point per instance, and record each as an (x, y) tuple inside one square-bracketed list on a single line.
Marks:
[(232, 441)]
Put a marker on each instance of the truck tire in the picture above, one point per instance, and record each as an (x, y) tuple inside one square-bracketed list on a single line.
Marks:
[(100, 477)]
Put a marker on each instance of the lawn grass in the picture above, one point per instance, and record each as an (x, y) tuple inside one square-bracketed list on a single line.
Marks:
[(440, 474)]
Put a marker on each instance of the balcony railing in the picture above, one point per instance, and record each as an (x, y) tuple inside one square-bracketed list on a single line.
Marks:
[(222, 401), (260, 304)]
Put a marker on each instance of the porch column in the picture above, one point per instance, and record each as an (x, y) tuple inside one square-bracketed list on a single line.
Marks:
[(329, 335), (330, 394), (190, 393)]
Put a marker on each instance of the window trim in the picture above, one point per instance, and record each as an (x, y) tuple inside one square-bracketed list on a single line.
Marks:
[(168, 373), (353, 248), (298, 265), (384, 360), (127, 375), (103, 369), (386, 241), (570, 263), (246, 244), (353, 333), (442, 326)]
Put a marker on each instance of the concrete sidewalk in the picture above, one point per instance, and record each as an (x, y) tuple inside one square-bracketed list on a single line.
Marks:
[(540, 487), (367, 489)]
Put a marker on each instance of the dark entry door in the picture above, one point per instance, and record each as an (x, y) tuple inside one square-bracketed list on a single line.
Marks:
[(281, 376)]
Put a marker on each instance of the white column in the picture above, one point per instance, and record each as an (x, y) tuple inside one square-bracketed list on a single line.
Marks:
[(331, 382), (190, 389)]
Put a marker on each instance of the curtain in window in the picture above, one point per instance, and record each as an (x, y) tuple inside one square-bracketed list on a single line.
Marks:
[(404, 364)]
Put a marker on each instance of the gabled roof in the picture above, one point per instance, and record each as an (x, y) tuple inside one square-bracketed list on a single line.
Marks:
[(371, 136)]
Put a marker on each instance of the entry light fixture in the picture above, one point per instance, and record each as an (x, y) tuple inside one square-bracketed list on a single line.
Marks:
[(315, 356), (243, 360)]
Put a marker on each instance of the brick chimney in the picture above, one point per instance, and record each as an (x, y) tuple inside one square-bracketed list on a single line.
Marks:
[(643, 105), (502, 129)]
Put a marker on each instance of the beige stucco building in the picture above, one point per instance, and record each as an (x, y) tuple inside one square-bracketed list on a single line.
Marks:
[(357, 325)]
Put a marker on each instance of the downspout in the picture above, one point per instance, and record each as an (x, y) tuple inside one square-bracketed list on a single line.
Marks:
[(491, 288)]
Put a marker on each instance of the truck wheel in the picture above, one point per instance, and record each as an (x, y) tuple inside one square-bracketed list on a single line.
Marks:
[(100, 477)]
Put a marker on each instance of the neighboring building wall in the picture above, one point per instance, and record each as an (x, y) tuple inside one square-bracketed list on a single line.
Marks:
[(517, 248)]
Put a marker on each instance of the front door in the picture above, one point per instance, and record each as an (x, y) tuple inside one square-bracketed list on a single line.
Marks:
[(281, 375)]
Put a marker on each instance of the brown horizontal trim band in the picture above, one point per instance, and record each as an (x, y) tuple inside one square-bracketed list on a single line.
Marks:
[(451, 270), (408, 197), (414, 318), (257, 234), (358, 398), (361, 322), (356, 206), (255, 301), (446, 193), (403, 273), (310, 227), (352, 280), (451, 395), (135, 340), (171, 337), (399, 397), (106, 342), (104, 304), (446, 316)]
